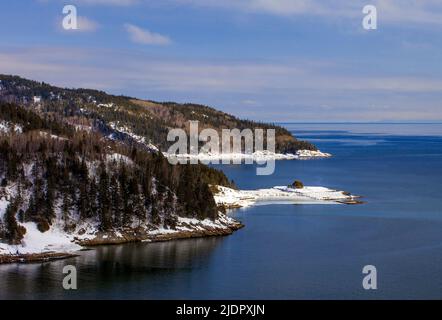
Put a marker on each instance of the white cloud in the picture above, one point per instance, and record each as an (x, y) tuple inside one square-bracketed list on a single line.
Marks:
[(291, 90), (144, 36), (86, 24), (179, 75)]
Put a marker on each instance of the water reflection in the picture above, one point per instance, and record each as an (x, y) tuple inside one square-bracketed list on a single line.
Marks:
[(121, 271)]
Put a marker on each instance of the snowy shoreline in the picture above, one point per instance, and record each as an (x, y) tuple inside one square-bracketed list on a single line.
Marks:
[(231, 198), (255, 156), (54, 243), (57, 244)]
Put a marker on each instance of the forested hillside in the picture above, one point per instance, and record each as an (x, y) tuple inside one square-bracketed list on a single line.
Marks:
[(52, 172), (87, 164), (133, 121)]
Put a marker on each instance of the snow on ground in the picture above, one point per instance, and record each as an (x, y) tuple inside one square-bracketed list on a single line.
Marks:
[(106, 105), (221, 222), (128, 131), (80, 127), (34, 241), (3, 205), (307, 195), (257, 156), (56, 240), (193, 224), (118, 158), (6, 127), (52, 136), (312, 154)]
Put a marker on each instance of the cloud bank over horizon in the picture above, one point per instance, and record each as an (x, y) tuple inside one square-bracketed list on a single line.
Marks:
[(274, 60)]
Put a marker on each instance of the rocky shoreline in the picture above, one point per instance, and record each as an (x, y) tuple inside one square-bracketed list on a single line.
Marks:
[(128, 237), (187, 229)]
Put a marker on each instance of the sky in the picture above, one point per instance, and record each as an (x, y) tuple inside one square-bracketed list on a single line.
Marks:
[(267, 60)]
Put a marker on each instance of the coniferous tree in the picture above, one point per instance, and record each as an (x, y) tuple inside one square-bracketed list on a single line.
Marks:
[(67, 201), (14, 232), (116, 202), (92, 197), (49, 212), (82, 200), (104, 202), (170, 219), (155, 218), (65, 205), (125, 196)]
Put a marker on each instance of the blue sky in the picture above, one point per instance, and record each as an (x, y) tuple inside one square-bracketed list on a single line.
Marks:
[(272, 60)]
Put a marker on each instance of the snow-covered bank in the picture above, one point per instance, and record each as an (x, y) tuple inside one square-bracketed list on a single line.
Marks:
[(256, 156), (231, 198), (55, 242), (34, 241), (68, 231), (185, 228), (306, 154)]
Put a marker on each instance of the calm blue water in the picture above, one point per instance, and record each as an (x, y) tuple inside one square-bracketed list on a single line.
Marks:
[(291, 251)]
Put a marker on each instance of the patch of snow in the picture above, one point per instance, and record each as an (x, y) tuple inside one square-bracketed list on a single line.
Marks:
[(161, 231), (52, 136), (303, 154), (128, 131), (3, 205), (80, 127), (34, 241), (257, 156), (106, 105), (307, 195), (200, 114), (7, 127), (189, 224), (118, 158)]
